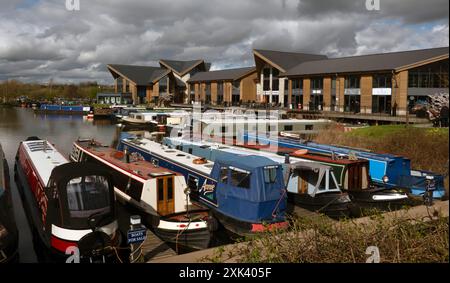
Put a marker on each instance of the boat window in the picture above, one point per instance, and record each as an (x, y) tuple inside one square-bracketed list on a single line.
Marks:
[(333, 182), (155, 162), (270, 174), (170, 151), (288, 127), (309, 127), (179, 154), (139, 117), (193, 183), (169, 188), (364, 177), (204, 146), (160, 189), (224, 175), (240, 178), (88, 195)]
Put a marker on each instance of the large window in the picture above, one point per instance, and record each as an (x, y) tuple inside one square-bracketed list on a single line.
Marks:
[(163, 85), (208, 93), (219, 92), (317, 83), (381, 104), (430, 76), (240, 178), (88, 195), (352, 82), (382, 81), (266, 83), (275, 80), (316, 102)]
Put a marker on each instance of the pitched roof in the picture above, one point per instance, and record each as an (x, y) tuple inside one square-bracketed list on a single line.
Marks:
[(141, 75), (365, 63), (222, 75), (286, 60), (180, 67)]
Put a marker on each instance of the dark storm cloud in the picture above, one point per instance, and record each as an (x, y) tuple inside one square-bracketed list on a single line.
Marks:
[(40, 40)]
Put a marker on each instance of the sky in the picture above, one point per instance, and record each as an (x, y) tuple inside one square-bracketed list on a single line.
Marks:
[(42, 40)]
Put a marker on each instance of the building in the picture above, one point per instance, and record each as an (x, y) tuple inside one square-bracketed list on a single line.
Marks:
[(376, 84), (146, 84), (389, 83), (224, 87), (272, 86)]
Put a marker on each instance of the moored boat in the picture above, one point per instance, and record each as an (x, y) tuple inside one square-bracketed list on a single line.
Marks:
[(68, 205), (158, 193), (310, 185), (246, 195), (9, 236)]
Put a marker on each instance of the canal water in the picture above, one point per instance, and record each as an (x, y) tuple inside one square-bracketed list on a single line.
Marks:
[(17, 124)]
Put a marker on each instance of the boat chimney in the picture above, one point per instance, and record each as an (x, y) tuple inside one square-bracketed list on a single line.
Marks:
[(286, 159)]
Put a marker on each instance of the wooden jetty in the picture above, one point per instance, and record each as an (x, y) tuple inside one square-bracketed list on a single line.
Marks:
[(153, 248)]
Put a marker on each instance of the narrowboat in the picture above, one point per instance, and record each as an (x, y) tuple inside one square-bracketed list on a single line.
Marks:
[(352, 175), (310, 186), (245, 195), (158, 193), (231, 127), (68, 205), (9, 236), (387, 170), (140, 119), (63, 109)]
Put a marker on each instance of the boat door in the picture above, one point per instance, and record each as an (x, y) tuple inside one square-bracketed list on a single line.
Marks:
[(165, 195)]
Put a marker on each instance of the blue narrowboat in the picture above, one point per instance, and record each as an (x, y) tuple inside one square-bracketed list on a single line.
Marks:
[(246, 195), (63, 109), (389, 170)]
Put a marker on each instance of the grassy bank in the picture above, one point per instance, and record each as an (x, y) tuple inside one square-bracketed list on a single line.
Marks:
[(426, 147), (398, 241)]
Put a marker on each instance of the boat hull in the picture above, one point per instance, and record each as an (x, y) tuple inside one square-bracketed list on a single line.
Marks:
[(10, 239), (333, 205)]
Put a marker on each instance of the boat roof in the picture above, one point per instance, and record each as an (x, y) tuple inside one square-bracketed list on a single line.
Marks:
[(309, 165), (235, 150), (247, 161), (142, 169), (44, 157), (173, 154), (264, 121)]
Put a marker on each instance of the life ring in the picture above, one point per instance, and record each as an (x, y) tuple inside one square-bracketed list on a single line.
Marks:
[(118, 154), (300, 152), (201, 160)]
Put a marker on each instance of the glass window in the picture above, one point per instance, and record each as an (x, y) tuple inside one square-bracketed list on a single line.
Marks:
[(192, 183), (288, 127), (316, 83), (160, 189), (270, 174), (266, 72), (352, 82), (240, 178), (88, 195), (275, 84), (224, 175), (170, 188)]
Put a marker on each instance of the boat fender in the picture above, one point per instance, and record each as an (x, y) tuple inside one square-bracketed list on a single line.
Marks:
[(300, 152), (201, 160), (213, 224), (94, 244)]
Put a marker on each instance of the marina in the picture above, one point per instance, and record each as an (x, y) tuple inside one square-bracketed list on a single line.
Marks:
[(191, 195)]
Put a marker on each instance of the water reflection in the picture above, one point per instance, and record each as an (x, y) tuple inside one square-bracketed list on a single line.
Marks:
[(16, 124)]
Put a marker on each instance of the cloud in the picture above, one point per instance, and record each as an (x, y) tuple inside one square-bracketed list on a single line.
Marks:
[(40, 40)]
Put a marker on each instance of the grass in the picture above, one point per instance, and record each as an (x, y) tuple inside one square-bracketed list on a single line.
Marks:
[(427, 148), (321, 241)]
